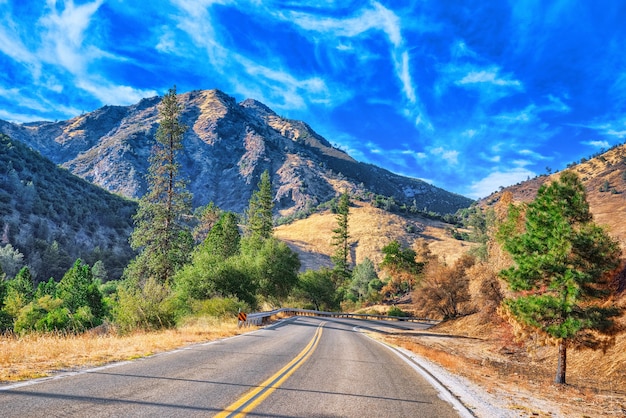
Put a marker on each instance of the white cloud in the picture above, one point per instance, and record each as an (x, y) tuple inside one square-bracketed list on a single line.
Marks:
[(19, 117), (12, 46), (490, 76), (497, 179), (619, 134), (451, 156), (470, 133), (598, 144), (114, 94), (533, 154), (65, 33)]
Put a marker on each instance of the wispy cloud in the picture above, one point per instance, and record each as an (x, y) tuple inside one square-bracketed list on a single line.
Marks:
[(376, 18), (450, 156), (499, 178), (597, 144), (489, 76)]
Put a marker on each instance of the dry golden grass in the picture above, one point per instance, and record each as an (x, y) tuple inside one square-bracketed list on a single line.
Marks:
[(485, 353), (370, 230), (37, 355)]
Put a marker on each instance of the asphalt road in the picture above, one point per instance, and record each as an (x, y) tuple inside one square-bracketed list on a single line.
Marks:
[(304, 367)]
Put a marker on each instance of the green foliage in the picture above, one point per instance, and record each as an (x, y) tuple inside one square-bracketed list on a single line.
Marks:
[(46, 288), (223, 240), (561, 263), (395, 311), (259, 221), (209, 276), (206, 217), (340, 240), (218, 307), (79, 290), (318, 288), (11, 260), (44, 314), (401, 266), (151, 307), (365, 283), (277, 269), (74, 304), (19, 292)]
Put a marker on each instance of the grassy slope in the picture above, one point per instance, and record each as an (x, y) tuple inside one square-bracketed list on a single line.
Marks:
[(370, 230)]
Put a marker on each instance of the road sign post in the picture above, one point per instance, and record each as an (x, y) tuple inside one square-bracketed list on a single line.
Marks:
[(241, 316)]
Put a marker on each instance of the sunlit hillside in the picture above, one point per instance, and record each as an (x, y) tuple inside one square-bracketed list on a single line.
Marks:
[(370, 230), (604, 177)]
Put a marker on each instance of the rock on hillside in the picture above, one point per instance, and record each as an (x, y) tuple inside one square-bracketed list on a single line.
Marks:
[(227, 146)]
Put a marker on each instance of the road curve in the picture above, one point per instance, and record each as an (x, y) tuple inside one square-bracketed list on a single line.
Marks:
[(303, 367)]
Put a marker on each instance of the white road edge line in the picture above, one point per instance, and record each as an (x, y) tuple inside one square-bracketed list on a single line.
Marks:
[(444, 392)]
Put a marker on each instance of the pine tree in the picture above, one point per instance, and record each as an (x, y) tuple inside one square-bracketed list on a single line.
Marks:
[(260, 224), (340, 240), (561, 272), (160, 234)]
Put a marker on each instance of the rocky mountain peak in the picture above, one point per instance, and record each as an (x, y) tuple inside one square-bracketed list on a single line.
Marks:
[(226, 148)]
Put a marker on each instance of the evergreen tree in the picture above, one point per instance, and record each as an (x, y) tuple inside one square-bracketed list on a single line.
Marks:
[(561, 272), (260, 224), (223, 240), (78, 289), (160, 233), (362, 275), (340, 240)]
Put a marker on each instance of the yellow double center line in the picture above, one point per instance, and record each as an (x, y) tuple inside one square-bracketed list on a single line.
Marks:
[(252, 399)]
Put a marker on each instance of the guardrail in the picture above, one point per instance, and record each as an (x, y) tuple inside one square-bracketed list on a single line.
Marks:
[(259, 318)]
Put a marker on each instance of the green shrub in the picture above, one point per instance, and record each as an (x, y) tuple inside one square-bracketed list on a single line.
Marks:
[(395, 311)]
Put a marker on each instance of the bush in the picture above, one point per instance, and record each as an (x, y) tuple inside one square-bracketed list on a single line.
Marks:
[(150, 308), (395, 311)]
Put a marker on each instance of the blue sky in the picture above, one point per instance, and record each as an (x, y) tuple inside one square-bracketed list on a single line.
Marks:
[(467, 95)]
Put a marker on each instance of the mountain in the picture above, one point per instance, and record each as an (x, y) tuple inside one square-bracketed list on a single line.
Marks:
[(226, 148), (53, 217)]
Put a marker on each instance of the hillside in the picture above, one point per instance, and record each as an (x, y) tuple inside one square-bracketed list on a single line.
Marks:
[(54, 217), (604, 177), (226, 148), (370, 230)]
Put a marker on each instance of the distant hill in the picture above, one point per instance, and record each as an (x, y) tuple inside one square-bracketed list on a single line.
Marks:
[(53, 217), (604, 177), (226, 148)]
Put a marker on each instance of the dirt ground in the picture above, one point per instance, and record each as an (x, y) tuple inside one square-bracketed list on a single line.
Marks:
[(488, 355)]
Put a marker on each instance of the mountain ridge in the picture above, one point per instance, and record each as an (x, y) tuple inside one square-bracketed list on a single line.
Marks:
[(226, 148)]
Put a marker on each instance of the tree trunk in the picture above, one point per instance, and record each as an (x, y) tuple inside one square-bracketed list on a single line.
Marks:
[(561, 366)]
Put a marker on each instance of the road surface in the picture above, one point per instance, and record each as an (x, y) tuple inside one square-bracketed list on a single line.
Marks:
[(303, 367)]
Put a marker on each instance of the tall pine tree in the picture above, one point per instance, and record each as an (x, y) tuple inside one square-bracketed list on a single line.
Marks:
[(160, 234), (259, 221), (561, 272), (340, 240)]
